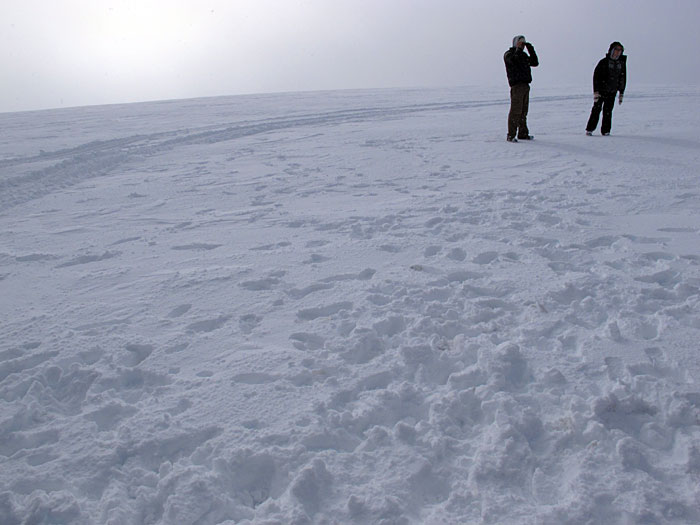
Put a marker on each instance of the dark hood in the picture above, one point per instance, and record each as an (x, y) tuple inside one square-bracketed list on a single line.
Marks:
[(613, 45)]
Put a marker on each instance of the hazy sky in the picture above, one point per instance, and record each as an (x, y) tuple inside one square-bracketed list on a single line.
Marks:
[(56, 53)]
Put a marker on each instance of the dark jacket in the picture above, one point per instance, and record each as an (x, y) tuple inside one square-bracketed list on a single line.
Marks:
[(610, 75), (518, 64)]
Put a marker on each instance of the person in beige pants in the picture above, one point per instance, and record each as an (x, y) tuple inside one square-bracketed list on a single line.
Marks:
[(518, 64)]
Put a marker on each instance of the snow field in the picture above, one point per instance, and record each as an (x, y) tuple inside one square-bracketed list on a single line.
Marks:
[(360, 307)]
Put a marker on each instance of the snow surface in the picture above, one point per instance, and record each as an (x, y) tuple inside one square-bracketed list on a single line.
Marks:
[(351, 307)]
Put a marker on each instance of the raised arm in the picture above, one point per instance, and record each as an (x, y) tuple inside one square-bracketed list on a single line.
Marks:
[(534, 61)]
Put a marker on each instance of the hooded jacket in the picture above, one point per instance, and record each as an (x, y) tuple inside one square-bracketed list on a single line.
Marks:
[(610, 75), (518, 63)]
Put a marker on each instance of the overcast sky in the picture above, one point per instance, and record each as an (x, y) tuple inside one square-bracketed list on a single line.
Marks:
[(60, 53)]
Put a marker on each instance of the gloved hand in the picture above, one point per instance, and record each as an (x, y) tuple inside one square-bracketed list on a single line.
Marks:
[(619, 98), (596, 97), (529, 47)]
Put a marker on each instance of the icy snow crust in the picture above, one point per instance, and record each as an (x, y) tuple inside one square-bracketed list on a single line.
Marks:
[(350, 307)]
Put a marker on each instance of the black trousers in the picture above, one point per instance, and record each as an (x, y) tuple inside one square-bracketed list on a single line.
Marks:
[(606, 103), (517, 117)]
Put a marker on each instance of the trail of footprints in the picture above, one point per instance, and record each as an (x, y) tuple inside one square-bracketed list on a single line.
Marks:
[(439, 366), (447, 363), (462, 373)]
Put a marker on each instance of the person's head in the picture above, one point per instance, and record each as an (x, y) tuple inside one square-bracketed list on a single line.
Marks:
[(519, 41), (615, 51)]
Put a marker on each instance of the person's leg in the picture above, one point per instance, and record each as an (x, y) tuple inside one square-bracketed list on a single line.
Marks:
[(515, 110), (523, 132), (595, 115), (608, 105)]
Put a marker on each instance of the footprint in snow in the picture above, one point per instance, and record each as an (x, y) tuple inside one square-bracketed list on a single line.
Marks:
[(665, 278), (179, 310), (364, 275), (307, 341), (196, 246), (176, 348), (86, 259), (91, 356), (316, 259), (17, 441), (128, 239), (36, 257), (330, 310), (657, 256), (132, 383), (317, 244), (457, 254), (678, 230), (269, 247), (485, 258), (253, 378), (260, 285), (297, 293), (18, 363), (208, 325), (249, 322), (109, 416), (138, 353)]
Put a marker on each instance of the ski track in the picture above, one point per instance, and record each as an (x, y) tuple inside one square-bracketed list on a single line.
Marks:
[(372, 315), (74, 165)]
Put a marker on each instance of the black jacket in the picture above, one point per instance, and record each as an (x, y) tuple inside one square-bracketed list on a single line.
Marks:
[(610, 75), (518, 65)]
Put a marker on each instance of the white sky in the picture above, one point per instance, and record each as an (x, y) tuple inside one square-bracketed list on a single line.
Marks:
[(56, 53)]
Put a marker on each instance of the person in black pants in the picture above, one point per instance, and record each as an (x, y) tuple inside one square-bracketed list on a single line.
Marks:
[(609, 79)]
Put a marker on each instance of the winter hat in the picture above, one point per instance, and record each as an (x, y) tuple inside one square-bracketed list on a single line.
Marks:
[(517, 39)]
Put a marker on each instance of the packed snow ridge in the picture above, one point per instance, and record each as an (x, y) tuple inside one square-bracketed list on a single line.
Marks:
[(351, 307)]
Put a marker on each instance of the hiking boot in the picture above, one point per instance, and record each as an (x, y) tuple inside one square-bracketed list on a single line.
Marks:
[(605, 134), (589, 133), (526, 137), (511, 139)]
